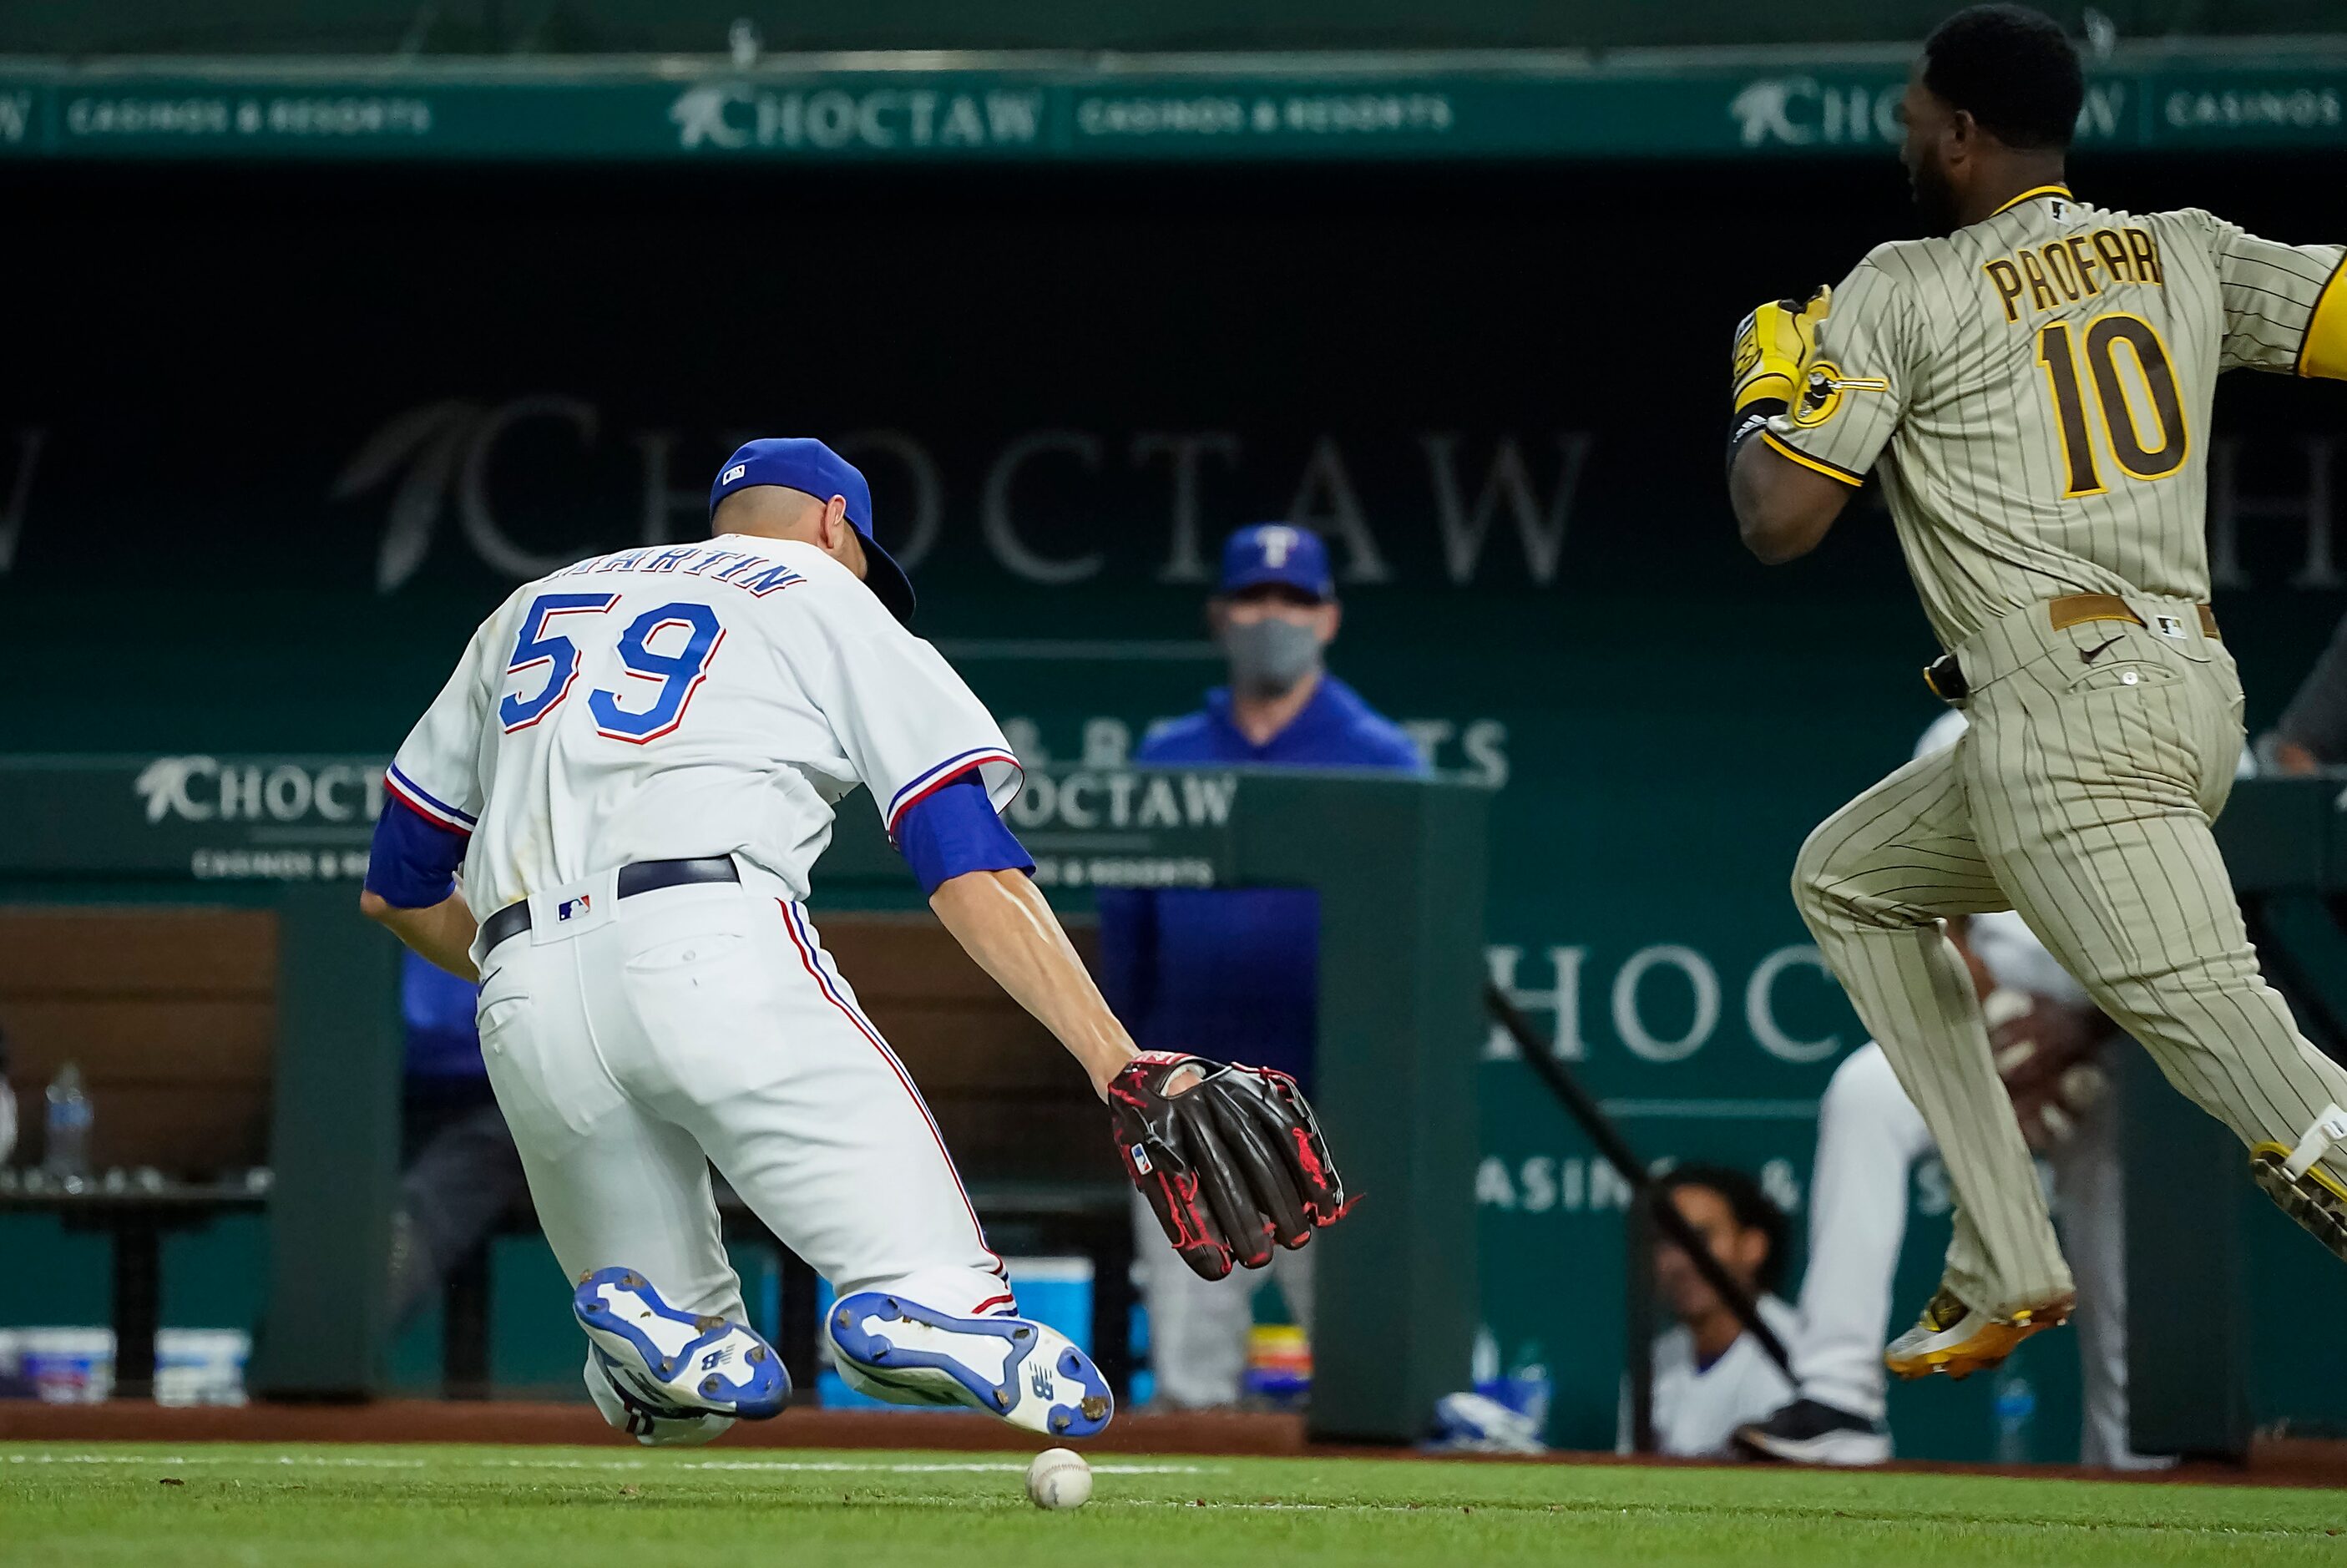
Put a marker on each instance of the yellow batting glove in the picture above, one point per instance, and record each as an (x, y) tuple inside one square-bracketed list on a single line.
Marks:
[(1772, 344)]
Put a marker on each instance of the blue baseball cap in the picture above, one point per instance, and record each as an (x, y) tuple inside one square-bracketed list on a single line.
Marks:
[(802, 464), (1280, 553)]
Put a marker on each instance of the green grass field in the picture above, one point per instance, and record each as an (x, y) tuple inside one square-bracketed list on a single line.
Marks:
[(261, 1507)]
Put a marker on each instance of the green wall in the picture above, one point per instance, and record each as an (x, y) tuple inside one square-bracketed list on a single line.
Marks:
[(268, 450)]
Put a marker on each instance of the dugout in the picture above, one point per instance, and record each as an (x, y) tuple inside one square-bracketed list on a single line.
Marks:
[(208, 968), (1462, 313)]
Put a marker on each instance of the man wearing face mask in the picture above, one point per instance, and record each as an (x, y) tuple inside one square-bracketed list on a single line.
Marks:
[(1230, 972)]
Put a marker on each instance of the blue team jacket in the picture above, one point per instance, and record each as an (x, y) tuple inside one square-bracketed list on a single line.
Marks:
[(1232, 973), (438, 1007)]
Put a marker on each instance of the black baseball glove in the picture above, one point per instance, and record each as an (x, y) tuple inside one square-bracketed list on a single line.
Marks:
[(1229, 1163)]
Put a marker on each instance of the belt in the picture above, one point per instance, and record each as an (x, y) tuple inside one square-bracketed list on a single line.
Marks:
[(2072, 610), (1946, 676), (639, 876)]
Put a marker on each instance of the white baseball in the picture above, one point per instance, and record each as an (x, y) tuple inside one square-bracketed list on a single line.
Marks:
[(1058, 1479)]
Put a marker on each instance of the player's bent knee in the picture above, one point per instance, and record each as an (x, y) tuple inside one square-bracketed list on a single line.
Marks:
[(1816, 879), (1829, 888)]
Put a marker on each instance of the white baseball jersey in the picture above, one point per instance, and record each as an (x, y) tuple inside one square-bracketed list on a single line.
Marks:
[(1697, 1408), (676, 702)]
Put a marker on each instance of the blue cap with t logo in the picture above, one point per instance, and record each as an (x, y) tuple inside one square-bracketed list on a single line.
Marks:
[(1277, 553)]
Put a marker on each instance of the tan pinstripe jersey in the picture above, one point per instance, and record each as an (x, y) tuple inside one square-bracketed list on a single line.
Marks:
[(2035, 388)]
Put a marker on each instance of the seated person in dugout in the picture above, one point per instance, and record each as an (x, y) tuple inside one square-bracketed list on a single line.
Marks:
[(1710, 1376)]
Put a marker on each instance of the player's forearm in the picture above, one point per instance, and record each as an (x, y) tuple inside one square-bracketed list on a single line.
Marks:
[(1782, 510), (1002, 921), (442, 932)]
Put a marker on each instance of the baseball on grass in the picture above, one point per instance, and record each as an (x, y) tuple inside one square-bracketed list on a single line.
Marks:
[(1058, 1479)]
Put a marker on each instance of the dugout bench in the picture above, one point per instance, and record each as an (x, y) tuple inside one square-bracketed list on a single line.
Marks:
[(1399, 866)]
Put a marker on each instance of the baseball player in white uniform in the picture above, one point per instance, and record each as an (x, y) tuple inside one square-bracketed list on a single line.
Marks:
[(636, 766)]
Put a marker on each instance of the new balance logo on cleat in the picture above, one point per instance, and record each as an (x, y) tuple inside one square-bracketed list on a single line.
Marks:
[(1023, 1371), (680, 1364)]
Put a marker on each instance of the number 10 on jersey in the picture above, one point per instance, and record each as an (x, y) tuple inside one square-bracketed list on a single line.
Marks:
[(688, 631), (2151, 449)]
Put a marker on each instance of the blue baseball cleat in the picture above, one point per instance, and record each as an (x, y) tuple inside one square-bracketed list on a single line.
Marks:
[(1026, 1372), (678, 1362)]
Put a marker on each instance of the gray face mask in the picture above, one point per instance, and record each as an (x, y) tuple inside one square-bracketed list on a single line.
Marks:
[(1270, 655)]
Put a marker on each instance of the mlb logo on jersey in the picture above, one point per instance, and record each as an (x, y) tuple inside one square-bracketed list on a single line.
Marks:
[(572, 910), (2168, 626)]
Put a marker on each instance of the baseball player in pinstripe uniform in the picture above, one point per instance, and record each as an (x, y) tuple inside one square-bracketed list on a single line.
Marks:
[(2033, 386)]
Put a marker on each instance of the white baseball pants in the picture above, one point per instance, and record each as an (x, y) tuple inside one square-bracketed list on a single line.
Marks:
[(637, 1043), (1870, 1135)]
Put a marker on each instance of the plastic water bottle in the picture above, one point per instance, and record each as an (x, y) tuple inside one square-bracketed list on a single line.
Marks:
[(2016, 1403), (64, 1150)]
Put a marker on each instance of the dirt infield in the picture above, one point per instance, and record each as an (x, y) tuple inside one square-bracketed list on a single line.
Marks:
[(514, 1421), (2295, 1463)]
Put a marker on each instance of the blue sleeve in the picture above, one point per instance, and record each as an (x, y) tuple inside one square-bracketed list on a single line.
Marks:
[(954, 829), (413, 862)]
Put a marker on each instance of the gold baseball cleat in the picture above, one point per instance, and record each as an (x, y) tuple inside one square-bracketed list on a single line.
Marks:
[(1959, 1340), (2306, 1192)]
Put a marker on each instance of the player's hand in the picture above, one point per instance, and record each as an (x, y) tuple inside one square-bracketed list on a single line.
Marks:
[(1230, 1158), (2047, 1055), (1772, 345)]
